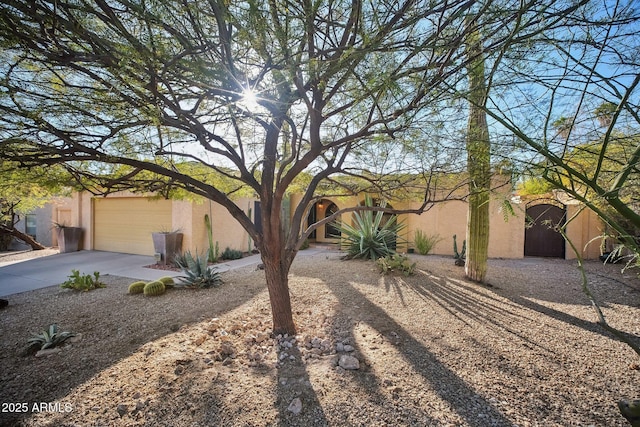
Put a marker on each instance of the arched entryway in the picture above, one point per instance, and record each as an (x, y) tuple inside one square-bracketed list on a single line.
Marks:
[(320, 210), (540, 237)]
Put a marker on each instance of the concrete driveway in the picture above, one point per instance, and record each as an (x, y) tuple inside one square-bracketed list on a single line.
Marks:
[(52, 270)]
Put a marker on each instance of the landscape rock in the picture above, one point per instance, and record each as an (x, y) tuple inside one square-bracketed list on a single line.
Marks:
[(348, 362), (48, 351), (295, 406), (122, 410)]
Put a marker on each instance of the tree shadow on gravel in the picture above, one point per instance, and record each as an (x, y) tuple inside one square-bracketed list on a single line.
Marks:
[(464, 401), (467, 300), (294, 383), (104, 343)]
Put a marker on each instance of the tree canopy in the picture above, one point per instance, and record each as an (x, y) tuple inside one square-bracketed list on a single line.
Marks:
[(278, 91)]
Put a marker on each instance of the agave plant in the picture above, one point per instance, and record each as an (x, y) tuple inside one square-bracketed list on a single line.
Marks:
[(370, 236), (197, 271), (49, 338)]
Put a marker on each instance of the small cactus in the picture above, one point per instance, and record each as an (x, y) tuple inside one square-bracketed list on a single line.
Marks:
[(154, 288), (136, 287), (168, 281)]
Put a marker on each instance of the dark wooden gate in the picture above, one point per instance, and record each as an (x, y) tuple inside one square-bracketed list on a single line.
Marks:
[(257, 216), (540, 239)]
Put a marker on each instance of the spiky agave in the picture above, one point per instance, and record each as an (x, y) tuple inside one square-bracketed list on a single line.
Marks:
[(49, 338), (197, 272), (370, 236)]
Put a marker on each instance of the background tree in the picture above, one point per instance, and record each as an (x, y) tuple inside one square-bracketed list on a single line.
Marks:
[(22, 191)]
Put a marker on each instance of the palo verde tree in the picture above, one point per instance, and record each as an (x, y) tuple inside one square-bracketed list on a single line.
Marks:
[(568, 99), (263, 93)]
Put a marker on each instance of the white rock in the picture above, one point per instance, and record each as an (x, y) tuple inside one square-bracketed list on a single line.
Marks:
[(348, 362), (295, 406), (348, 348), (340, 347), (48, 351)]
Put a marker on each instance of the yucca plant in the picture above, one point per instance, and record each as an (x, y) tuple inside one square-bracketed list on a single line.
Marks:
[(198, 273), (369, 237), (49, 338)]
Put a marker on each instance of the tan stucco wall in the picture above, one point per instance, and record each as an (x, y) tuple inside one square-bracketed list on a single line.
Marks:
[(225, 229), (444, 220), (583, 229)]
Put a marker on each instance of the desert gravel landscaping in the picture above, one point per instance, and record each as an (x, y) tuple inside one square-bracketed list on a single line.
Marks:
[(371, 350)]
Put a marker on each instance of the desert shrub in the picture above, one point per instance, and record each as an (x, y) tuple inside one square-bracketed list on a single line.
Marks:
[(305, 245), (198, 274), (369, 237), (396, 262), (424, 243), (230, 254), (49, 338), (83, 282)]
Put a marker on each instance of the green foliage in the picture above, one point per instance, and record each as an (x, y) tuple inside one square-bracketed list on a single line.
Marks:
[(48, 338), (424, 244), (136, 287), (534, 186), (462, 255), (167, 281), (396, 262), (230, 254), (83, 282), (198, 273), (305, 245), (154, 288), (370, 237)]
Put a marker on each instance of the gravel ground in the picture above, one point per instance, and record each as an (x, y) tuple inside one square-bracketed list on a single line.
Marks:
[(430, 349)]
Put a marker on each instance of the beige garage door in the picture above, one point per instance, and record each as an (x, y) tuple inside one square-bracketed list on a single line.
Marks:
[(125, 224)]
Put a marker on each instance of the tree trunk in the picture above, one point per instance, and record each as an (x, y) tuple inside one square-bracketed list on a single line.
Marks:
[(277, 276), (478, 164), (21, 236)]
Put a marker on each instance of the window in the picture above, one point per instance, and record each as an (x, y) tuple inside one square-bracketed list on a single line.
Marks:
[(30, 225)]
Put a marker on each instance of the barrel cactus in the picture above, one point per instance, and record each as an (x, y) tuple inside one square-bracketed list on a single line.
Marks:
[(154, 288), (136, 287), (168, 281)]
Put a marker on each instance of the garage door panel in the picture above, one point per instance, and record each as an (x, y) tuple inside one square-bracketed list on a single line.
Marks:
[(125, 224)]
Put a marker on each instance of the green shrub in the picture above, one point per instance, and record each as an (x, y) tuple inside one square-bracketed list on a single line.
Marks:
[(198, 273), (396, 262), (83, 282), (369, 238), (230, 254), (136, 287), (305, 245), (49, 338), (154, 288), (424, 244)]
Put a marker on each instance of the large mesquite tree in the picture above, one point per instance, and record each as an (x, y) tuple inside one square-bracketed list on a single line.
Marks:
[(261, 92)]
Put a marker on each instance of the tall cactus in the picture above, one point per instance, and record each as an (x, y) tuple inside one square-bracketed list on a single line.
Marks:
[(478, 160)]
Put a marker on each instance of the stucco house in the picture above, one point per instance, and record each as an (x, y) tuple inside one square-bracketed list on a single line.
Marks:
[(123, 222)]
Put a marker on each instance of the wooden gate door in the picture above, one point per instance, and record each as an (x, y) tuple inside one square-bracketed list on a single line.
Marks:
[(540, 239)]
